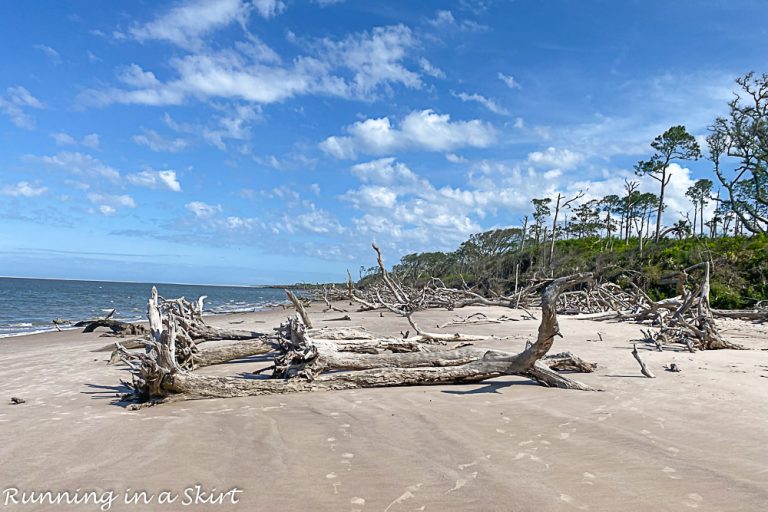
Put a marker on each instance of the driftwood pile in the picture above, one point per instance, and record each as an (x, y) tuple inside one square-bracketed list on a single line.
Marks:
[(686, 319), (308, 359), (304, 358)]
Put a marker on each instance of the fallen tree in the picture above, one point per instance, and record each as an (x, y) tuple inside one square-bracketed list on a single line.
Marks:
[(303, 363), (117, 327)]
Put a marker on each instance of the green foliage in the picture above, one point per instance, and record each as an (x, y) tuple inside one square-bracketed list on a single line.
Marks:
[(739, 275)]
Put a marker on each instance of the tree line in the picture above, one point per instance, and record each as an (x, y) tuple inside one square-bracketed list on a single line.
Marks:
[(737, 149)]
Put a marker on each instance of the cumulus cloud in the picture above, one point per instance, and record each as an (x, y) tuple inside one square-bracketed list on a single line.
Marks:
[(155, 180), (13, 104), (63, 139), (554, 158), (384, 171), (203, 210), (356, 66), (108, 204), (77, 163), (22, 189), (423, 130)]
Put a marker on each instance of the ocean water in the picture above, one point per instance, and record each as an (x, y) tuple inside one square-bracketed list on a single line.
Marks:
[(29, 305)]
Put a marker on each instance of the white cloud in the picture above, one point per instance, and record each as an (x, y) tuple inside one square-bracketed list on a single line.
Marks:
[(22, 189), (421, 130), (486, 102), (135, 76), (444, 19), (428, 68), (186, 23), (511, 82), (384, 171), (63, 139), (77, 163), (358, 66), (108, 204), (374, 58), (203, 210), (155, 180), (554, 158), (49, 52), (13, 103), (92, 141), (269, 8), (157, 142), (455, 159)]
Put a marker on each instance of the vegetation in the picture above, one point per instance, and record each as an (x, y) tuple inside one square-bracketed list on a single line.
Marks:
[(613, 235), (492, 259)]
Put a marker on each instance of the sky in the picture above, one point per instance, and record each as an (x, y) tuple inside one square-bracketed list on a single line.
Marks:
[(271, 141)]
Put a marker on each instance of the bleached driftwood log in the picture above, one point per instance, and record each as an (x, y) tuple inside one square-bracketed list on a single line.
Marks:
[(158, 374), (116, 327)]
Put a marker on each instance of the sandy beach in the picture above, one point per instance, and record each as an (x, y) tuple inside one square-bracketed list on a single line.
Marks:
[(697, 439)]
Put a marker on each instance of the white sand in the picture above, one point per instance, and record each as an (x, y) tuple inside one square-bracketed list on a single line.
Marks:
[(696, 439)]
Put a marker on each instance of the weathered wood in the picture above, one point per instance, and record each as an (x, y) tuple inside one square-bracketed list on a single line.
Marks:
[(643, 368), (304, 360), (117, 327), (299, 308), (207, 356)]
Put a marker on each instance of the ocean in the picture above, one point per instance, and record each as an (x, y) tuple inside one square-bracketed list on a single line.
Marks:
[(29, 306)]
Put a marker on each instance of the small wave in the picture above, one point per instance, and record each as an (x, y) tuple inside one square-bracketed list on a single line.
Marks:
[(10, 334)]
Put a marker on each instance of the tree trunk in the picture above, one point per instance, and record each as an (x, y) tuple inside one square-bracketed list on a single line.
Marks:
[(159, 374)]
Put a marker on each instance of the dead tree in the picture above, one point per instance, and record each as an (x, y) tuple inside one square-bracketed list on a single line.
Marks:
[(303, 361), (116, 327)]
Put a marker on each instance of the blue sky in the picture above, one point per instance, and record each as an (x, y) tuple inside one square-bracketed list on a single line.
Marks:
[(238, 141)]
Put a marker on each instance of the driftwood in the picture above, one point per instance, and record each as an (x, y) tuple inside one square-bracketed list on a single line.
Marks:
[(299, 308), (117, 327), (643, 368), (303, 361)]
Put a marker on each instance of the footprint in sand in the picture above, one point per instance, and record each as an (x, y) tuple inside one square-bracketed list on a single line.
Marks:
[(346, 458), (693, 500), (670, 472), (564, 435), (407, 495), (572, 501), (336, 484), (588, 478), (357, 504)]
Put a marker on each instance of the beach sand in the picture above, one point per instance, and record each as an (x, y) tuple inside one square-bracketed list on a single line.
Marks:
[(691, 440)]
